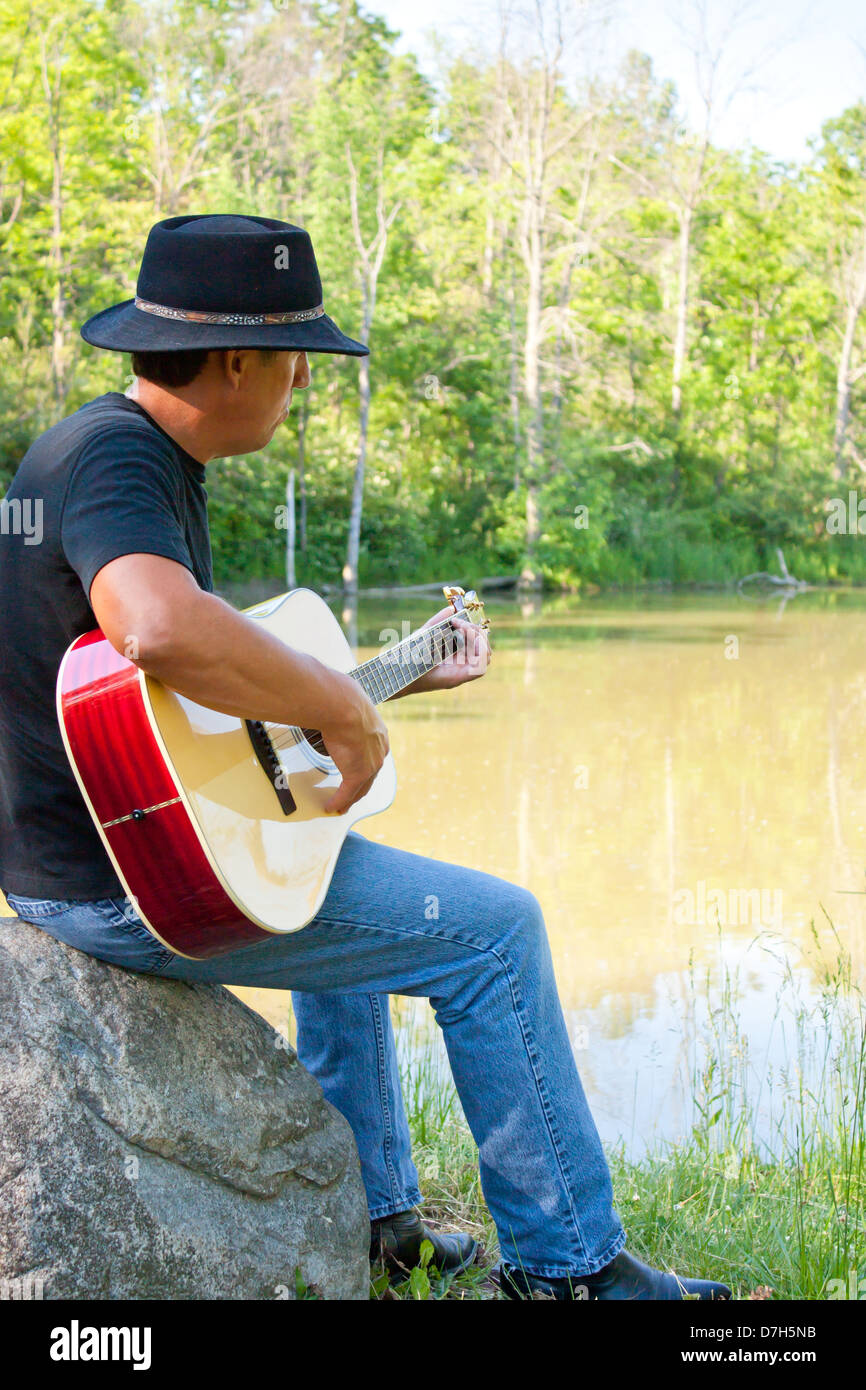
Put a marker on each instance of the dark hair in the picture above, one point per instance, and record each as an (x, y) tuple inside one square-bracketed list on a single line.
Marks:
[(178, 368)]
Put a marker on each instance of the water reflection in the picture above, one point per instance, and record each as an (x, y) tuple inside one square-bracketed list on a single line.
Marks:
[(672, 777)]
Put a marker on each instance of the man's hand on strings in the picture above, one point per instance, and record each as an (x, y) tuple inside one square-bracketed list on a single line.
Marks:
[(468, 662)]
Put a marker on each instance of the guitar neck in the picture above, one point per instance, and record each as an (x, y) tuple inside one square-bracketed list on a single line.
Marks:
[(385, 675), (391, 671)]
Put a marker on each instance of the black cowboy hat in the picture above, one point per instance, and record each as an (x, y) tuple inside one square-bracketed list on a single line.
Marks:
[(219, 281)]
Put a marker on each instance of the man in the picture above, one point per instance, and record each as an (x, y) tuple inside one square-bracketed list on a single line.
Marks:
[(226, 312)]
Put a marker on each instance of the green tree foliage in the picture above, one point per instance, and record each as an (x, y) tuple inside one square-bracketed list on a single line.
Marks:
[(536, 216)]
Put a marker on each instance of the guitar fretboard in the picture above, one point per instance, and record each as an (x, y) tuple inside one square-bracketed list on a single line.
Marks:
[(385, 675)]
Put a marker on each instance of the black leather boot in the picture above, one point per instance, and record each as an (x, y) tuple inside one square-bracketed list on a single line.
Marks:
[(624, 1278), (397, 1241)]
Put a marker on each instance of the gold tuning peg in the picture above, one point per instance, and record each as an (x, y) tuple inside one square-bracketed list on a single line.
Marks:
[(466, 602)]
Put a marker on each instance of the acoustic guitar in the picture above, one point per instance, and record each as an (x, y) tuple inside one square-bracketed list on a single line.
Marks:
[(215, 825)]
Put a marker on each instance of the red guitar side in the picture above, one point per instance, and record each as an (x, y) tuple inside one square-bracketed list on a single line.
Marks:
[(136, 804)]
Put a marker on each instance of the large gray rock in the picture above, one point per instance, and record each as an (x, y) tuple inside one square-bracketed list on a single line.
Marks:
[(159, 1140)]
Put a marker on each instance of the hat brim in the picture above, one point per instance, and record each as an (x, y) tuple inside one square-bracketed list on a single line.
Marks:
[(123, 328)]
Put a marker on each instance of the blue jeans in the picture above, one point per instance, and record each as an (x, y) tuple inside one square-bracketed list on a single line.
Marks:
[(476, 947)]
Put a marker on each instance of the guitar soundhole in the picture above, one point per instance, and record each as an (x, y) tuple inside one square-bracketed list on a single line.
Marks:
[(316, 742)]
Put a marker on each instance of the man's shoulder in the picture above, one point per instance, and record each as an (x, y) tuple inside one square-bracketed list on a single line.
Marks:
[(111, 413), (107, 421), (103, 422)]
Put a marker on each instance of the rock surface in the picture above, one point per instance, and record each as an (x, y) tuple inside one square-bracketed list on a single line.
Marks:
[(159, 1140)]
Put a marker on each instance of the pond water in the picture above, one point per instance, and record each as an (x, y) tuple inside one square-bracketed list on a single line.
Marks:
[(681, 782)]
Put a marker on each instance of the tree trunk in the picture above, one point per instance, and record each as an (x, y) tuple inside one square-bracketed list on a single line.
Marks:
[(58, 298), (494, 170), (685, 249), (856, 300), (302, 476), (513, 376), (371, 257), (529, 578), (350, 569), (52, 90), (290, 530)]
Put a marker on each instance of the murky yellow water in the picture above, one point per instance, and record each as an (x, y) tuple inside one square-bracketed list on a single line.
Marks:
[(679, 780), (671, 776)]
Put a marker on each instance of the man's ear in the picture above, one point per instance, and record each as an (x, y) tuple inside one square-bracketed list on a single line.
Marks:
[(235, 365)]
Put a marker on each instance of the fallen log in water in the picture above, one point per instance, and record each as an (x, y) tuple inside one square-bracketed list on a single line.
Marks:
[(500, 581), (785, 582)]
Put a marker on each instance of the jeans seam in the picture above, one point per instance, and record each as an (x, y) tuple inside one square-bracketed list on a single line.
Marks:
[(543, 1100), (562, 1272), (136, 929), (59, 905), (491, 950), (397, 1204), (115, 917), (383, 1094)]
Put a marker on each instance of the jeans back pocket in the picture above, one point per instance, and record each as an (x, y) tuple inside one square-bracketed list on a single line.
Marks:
[(108, 928)]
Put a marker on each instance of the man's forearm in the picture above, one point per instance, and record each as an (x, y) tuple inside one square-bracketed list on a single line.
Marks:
[(220, 658)]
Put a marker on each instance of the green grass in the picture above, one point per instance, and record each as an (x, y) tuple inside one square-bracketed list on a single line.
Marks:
[(777, 1219)]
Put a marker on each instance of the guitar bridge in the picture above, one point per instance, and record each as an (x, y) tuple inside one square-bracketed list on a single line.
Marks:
[(271, 765)]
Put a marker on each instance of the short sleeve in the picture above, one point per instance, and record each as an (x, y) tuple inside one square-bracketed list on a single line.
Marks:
[(125, 497)]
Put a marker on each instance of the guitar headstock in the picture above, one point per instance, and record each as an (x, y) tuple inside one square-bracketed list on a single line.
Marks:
[(466, 604)]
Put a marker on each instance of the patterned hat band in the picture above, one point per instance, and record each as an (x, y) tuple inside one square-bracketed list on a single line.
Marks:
[(164, 311)]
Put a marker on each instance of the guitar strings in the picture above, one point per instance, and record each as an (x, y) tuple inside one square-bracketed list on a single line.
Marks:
[(314, 736)]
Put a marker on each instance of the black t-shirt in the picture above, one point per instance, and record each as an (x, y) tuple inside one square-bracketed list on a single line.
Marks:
[(105, 482)]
